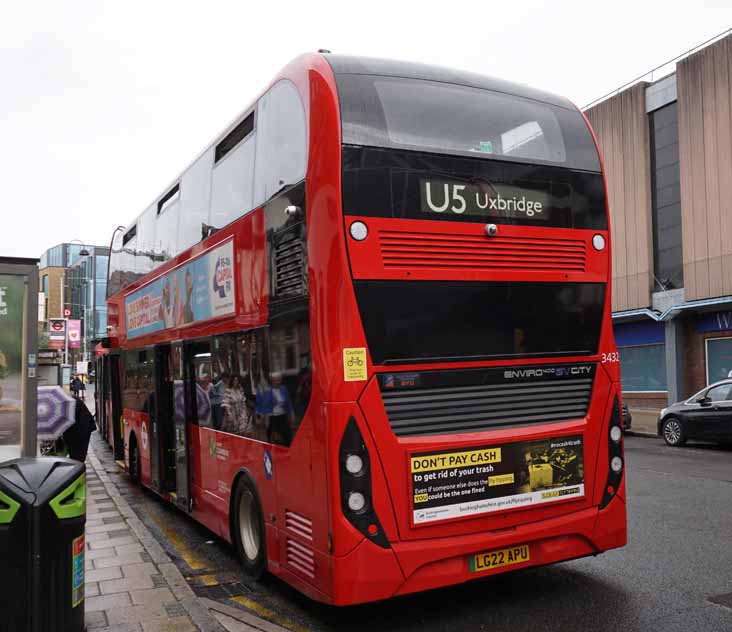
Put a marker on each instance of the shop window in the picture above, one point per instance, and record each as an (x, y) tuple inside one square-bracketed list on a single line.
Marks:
[(643, 368), (719, 359)]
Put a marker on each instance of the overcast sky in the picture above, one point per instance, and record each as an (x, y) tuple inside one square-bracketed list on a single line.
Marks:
[(103, 103)]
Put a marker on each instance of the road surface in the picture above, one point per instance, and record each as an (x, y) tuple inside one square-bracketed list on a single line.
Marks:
[(673, 575)]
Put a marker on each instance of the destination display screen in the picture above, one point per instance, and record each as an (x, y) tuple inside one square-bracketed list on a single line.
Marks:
[(410, 185), (452, 197)]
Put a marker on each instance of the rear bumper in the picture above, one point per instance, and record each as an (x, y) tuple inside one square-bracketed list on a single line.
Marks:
[(370, 573)]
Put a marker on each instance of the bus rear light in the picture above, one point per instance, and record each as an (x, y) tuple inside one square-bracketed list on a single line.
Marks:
[(598, 242), (615, 456), (616, 433), (354, 464), (359, 231), (355, 485), (356, 502)]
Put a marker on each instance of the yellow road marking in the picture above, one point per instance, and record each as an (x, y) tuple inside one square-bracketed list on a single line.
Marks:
[(208, 580), (266, 613), (190, 558)]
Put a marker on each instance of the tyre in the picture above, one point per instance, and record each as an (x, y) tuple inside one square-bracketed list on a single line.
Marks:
[(673, 432), (248, 527), (135, 470)]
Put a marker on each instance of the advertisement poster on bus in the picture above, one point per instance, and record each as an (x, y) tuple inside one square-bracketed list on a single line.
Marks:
[(12, 288), (57, 333), (196, 291), (464, 483), (74, 333)]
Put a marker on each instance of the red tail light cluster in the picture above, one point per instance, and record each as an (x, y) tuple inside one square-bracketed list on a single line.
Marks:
[(356, 493), (616, 458)]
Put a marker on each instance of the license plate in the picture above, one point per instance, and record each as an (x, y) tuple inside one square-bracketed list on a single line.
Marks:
[(502, 557)]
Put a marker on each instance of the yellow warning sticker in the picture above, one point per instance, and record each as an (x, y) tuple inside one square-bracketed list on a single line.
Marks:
[(354, 364)]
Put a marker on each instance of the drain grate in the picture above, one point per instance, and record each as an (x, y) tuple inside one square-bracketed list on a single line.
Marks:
[(222, 591)]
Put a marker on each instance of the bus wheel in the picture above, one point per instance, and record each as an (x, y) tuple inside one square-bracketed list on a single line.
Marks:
[(249, 529), (673, 433), (134, 462)]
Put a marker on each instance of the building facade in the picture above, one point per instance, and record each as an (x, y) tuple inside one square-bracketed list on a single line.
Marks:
[(667, 150), (73, 285), (86, 282)]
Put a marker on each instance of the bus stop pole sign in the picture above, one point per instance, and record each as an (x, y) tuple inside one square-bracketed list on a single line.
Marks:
[(18, 348)]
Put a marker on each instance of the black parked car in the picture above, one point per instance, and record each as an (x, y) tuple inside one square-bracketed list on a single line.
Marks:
[(706, 416)]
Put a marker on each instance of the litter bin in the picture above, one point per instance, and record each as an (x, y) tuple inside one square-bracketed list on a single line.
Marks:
[(42, 517)]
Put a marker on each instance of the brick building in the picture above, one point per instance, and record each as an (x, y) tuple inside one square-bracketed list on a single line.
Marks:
[(667, 150)]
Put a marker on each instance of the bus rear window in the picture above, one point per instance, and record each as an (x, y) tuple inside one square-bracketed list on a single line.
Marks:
[(446, 118), (444, 321)]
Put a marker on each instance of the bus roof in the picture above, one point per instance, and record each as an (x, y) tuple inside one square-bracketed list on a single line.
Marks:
[(347, 64)]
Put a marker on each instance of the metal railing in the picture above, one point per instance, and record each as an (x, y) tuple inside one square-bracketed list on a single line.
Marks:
[(665, 69)]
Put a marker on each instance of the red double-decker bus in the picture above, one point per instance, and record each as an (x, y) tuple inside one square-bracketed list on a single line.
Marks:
[(365, 336)]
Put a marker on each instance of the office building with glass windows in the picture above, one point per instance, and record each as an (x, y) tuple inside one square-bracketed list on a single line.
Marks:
[(73, 285), (86, 281), (666, 143)]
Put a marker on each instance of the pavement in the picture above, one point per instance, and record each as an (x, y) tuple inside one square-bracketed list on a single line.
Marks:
[(645, 422), (131, 582)]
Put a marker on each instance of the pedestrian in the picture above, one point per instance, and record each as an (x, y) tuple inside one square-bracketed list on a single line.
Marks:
[(235, 414), (275, 404), (77, 437), (216, 390), (82, 387), (75, 386)]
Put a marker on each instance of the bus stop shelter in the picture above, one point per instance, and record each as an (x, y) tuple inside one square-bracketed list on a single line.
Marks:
[(18, 363)]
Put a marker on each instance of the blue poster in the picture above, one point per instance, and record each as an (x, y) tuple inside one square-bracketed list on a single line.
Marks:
[(196, 291)]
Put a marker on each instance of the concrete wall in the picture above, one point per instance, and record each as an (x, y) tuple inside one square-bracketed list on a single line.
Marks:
[(621, 126), (705, 155)]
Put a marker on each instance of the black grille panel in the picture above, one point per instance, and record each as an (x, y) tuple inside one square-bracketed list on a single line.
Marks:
[(491, 403), (289, 266)]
